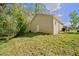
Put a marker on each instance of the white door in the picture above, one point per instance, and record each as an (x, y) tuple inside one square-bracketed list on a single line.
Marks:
[(37, 28)]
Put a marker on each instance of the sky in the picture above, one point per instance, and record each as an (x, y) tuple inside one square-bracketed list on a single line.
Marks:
[(63, 10)]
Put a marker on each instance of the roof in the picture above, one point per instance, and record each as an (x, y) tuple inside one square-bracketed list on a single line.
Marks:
[(58, 19), (55, 16)]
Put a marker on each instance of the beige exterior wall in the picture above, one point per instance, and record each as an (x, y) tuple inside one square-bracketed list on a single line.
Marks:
[(45, 24), (42, 23), (55, 27), (61, 26)]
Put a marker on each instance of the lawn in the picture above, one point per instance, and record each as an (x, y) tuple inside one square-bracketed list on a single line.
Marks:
[(37, 44)]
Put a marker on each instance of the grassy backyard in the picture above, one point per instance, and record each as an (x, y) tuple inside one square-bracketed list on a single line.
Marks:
[(41, 44)]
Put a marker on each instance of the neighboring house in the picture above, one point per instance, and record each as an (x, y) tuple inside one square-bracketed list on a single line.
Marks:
[(78, 28), (66, 28), (46, 23), (61, 25)]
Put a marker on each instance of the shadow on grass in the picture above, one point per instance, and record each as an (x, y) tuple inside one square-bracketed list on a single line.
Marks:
[(28, 34), (3, 41), (31, 34)]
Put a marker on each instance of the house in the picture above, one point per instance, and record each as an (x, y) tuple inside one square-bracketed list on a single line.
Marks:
[(46, 23), (78, 28)]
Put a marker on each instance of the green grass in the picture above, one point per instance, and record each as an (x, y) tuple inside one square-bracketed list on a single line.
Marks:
[(37, 44)]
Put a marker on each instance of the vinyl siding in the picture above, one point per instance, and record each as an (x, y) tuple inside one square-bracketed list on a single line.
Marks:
[(44, 22)]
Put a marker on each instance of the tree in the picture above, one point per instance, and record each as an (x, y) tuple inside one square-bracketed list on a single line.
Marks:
[(2, 18), (37, 8), (20, 16), (74, 19), (13, 20)]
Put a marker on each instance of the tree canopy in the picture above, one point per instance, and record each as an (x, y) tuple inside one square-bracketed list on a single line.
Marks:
[(74, 19), (12, 20)]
